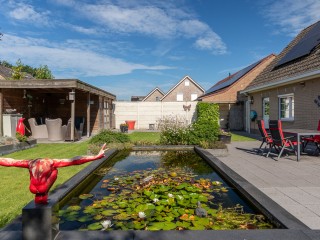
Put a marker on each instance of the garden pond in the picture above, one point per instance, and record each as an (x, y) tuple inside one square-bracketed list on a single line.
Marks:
[(158, 190)]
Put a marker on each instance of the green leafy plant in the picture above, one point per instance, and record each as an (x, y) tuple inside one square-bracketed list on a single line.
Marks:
[(107, 136), (174, 131), (21, 138)]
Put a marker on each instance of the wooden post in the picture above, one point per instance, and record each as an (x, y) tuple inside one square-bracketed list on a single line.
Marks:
[(100, 114), (73, 108), (88, 115), (1, 112)]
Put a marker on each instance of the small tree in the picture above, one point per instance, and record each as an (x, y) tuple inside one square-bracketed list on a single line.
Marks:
[(17, 72), (43, 72)]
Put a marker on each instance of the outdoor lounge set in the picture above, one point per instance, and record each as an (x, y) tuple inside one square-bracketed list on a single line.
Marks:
[(53, 130), (276, 139)]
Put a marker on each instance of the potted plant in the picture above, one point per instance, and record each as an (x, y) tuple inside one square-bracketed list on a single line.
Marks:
[(224, 136), (124, 127)]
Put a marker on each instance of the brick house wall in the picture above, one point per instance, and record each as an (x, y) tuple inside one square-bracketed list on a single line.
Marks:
[(183, 88), (153, 96), (306, 111)]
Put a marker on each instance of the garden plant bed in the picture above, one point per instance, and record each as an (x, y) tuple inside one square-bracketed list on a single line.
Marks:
[(10, 148)]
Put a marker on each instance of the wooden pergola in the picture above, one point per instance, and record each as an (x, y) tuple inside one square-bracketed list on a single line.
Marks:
[(63, 98)]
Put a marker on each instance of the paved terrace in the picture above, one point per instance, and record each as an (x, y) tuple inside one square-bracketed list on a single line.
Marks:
[(293, 185)]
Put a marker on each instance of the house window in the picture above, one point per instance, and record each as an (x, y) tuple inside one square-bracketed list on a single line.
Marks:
[(180, 97), (187, 83), (157, 99), (286, 107), (194, 96)]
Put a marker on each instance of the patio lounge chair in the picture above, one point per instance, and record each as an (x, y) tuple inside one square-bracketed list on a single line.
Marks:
[(266, 138), (37, 131), (283, 143), (312, 139), (56, 132)]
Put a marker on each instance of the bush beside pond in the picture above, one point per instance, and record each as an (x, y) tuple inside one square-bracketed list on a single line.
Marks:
[(204, 131)]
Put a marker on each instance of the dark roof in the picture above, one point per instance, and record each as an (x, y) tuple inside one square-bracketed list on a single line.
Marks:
[(152, 91), (137, 98), (231, 79), (274, 75), (6, 73)]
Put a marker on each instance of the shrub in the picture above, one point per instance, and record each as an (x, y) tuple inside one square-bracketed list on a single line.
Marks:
[(107, 136), (174, 131), (206, 127), (203, 131)]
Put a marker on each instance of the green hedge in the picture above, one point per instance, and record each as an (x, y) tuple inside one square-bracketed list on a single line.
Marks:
[(204, 129)]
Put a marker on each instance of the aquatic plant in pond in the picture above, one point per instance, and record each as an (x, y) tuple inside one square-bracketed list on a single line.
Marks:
[(160, 199)]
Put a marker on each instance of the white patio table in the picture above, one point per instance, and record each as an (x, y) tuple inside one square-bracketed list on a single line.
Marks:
[(299, 133)]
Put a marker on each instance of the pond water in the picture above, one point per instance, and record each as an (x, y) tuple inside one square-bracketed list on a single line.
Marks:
[(158, 190)]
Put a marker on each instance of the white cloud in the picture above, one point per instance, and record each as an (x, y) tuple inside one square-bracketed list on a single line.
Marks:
[(27, 13), (164, 23), (67, 61), (292, 16)]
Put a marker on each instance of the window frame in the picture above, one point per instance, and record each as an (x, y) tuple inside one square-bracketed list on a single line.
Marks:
[(290, 97), (196, 94), (179, 94)]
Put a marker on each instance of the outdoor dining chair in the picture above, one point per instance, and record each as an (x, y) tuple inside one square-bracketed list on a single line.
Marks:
[(283, 143), (266, 138), (312, 139)]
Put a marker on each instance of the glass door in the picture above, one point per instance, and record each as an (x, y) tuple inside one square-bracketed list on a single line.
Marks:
[(266, 111)]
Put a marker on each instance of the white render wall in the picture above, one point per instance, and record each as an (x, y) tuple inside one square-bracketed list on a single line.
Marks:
[(145, 113)]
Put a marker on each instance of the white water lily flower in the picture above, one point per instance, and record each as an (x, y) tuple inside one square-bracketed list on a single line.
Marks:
[(155, 200), (217, 182), (142, 215), (106, 224), (116, 179), (170, 195)]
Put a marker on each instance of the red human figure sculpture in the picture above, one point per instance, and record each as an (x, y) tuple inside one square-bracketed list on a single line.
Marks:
[(44, 172), (20, 127)]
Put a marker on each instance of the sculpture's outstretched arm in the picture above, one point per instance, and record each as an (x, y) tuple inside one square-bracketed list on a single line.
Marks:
[(79, 159), (10, 162)]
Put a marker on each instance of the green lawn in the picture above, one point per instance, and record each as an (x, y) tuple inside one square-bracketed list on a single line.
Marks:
[(148, 137), (238, 138)]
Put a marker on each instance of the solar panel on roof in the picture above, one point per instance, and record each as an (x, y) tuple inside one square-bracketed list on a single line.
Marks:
[(304, 46), (233, 79)]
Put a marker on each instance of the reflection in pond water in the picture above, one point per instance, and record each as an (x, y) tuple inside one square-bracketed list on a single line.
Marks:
[(149, 190)]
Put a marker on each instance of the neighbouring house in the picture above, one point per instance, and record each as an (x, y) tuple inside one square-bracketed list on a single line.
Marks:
[(154, 96), (226, 94), (179, 102), (6, 74), (137, 98), (55, 98), (289, 88), (185, 90)]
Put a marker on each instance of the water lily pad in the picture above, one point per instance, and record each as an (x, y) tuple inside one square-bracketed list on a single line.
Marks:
[(108, 212), (86, 196), (84, 219), (169, 226), (95, 226), (73, 208)]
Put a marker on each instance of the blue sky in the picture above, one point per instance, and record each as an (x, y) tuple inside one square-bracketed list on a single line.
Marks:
[(129, 47)]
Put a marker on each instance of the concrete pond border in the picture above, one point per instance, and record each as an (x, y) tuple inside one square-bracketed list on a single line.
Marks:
[(38, 221)]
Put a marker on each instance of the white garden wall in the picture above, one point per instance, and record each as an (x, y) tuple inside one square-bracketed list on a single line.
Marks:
[(145, 113)]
